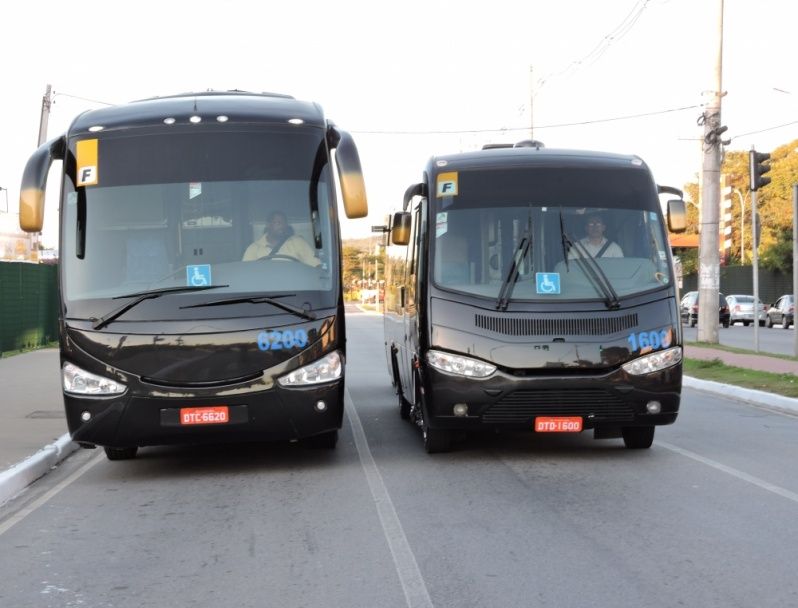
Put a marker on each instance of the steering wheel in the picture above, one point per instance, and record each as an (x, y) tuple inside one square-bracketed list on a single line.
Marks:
[(278, 256)]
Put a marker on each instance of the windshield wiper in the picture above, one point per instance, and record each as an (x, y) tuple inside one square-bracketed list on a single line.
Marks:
[(507, 287), (300, 312), (140, 297), (589, 267)]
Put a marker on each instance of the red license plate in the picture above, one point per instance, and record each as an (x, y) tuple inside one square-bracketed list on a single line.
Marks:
[(558, 424), (217, 414)]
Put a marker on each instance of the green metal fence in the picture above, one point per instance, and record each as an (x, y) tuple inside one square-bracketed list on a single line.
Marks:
[(28, 305), (739, 280)]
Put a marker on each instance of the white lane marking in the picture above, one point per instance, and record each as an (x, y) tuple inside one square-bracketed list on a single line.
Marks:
[(413, 585), (27, 510), (761, 483)]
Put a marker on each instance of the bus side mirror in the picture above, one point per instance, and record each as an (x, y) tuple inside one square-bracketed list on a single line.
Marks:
[(677, 216), (400, 228), (34, 182), (350, 174)]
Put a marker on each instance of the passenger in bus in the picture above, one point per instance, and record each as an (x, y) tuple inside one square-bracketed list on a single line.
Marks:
[(596, 244), (279, 240)]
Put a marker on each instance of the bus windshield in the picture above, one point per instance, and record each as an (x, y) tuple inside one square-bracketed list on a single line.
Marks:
[(593, 235), (248, 211)]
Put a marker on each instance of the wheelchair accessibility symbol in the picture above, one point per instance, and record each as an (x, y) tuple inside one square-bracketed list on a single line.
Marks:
[(198, 276), (547, 282)]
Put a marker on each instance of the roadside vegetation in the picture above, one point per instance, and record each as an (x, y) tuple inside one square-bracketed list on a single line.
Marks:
[(717, 371)]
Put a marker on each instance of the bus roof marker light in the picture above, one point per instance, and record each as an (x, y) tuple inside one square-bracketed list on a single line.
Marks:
[(96, 128), (195, 119), (222, 118), (169, 121), (296, 121)]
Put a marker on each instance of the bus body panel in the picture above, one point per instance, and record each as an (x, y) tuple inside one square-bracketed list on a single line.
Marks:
[(164, 195), (553, 358)]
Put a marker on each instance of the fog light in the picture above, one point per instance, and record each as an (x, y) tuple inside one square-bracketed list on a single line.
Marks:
[(85, 416), (461, 409), (321, 406), (654, 407)]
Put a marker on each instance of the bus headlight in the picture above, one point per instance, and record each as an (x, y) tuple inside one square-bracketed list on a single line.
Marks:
[(654, 362), (326, 369), (81, 382), (462, 366)]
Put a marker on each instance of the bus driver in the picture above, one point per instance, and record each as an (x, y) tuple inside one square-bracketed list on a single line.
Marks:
[(279, 240)]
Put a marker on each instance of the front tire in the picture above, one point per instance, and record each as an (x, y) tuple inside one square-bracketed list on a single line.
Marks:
[(436, 441), (769, 322), (638, 437), (120, 453)]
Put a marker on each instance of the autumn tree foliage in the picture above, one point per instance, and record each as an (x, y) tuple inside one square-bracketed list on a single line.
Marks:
[(774, 204)]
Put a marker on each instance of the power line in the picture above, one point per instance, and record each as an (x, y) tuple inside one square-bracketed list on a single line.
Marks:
[(786, 124), (552, 126), (104, 103), (618, 33)]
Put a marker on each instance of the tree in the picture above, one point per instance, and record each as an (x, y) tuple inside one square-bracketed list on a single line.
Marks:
[(774, 203), (778, 257)]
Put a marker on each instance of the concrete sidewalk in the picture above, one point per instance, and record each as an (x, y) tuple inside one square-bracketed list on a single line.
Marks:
[(759, 362), (33, 432)]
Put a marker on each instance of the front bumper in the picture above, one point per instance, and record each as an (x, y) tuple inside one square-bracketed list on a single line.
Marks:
[(604, 400), (137, 420)]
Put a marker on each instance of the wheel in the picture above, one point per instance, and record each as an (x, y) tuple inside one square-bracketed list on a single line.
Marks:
[(325, 441), (693, 322), (120, 453), (404, 405), (436, 441), (785, 324), (725, 324), (761, 324), (746, 323), (769, 322), (638, 437), (279, 256)]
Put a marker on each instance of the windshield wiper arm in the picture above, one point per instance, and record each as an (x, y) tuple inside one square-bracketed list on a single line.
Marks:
[(140, 297), (590, 267), (507, 287), (300, 312)]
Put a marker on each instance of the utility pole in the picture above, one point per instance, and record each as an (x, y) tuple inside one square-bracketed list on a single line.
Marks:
[(709, 256), (46, 103), (531, 104), (795, 260)]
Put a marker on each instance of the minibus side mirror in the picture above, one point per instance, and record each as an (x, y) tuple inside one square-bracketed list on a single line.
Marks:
[(677, 215), (400, 228)]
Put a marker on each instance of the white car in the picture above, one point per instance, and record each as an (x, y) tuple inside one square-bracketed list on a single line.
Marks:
[(741, 309)]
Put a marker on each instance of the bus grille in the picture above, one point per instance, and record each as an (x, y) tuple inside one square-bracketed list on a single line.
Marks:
[(521, 407), (570, 326)]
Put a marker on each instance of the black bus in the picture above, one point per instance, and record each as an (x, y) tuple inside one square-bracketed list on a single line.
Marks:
[(200, 269), (533, 289)]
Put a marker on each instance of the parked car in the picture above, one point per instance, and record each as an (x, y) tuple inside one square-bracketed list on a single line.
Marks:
[(782, 312), (688, 309), (741, 309)]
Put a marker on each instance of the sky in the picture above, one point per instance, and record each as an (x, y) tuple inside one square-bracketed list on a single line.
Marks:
[(418, 78)]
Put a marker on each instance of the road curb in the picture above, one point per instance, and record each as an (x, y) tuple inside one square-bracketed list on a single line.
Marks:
[(746, 395), (24, 473)]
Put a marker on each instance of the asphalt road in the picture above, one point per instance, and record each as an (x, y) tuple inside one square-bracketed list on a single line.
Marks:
[(703, 518), (773, 340)]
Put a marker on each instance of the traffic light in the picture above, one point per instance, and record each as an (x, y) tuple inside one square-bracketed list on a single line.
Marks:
[(759, 165)]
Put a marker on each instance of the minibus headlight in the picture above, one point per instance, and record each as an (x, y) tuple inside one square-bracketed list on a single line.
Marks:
[(654, 362), (462, 366), (326, 369), (81, 382)]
